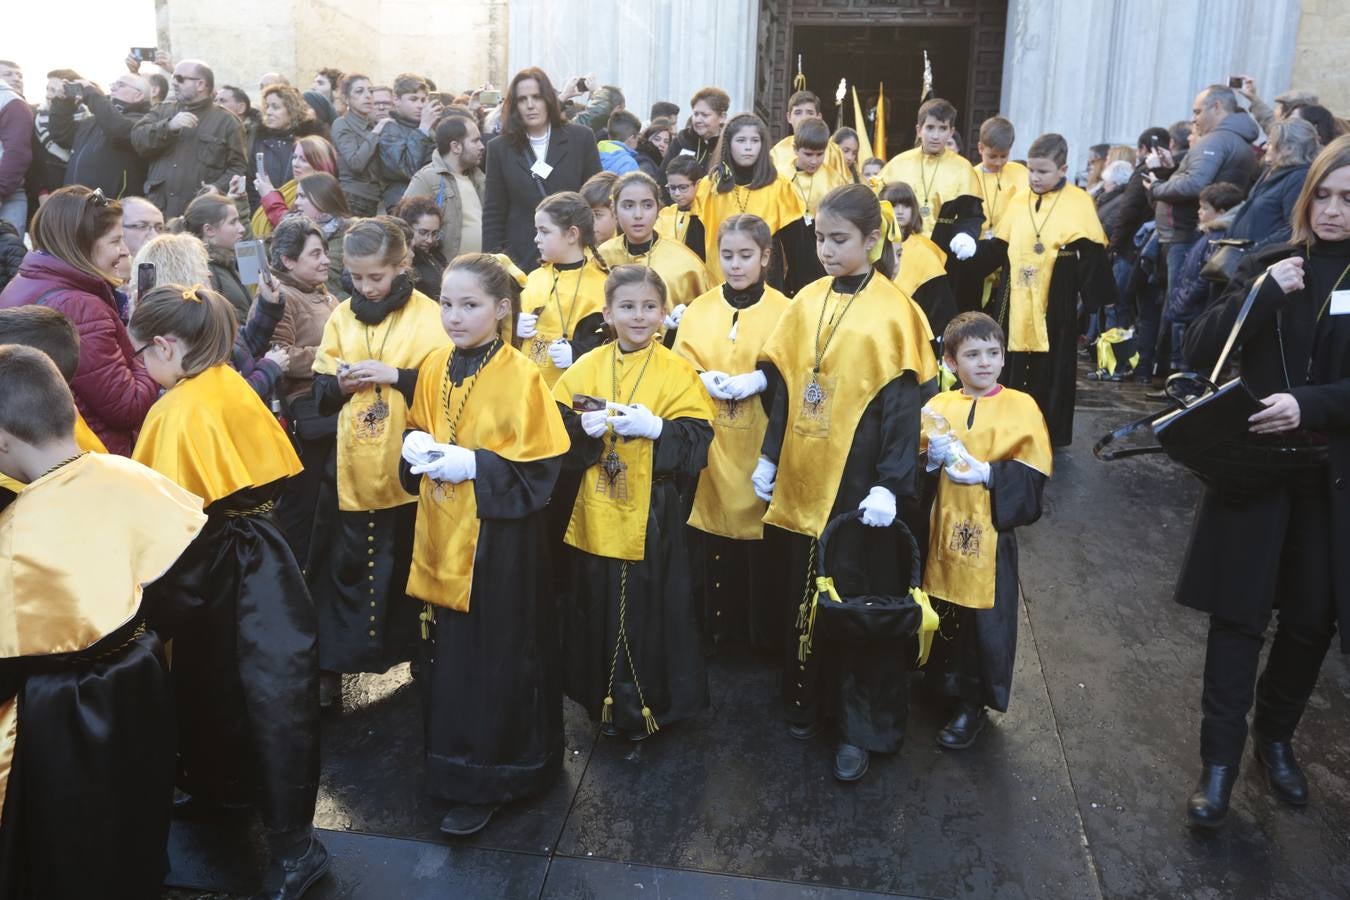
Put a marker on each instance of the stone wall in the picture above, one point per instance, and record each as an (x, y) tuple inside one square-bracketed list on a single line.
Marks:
[(1319, 55)]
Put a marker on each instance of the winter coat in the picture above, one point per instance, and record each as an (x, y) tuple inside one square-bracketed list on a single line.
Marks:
[(1108, 207), (1132, 210), (1265, 216), (437, 180), (357, 151), (1187, 292), (687, 143), (213, 152), (112, 389), (649, 160), (225, 280), (101, 155), (1224, 154), (404, 148), (12, 252), (616, 157), (16, 146), (599, 106), (301, 331)]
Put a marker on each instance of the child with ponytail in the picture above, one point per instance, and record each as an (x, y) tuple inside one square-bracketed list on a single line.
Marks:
[(245, 659)]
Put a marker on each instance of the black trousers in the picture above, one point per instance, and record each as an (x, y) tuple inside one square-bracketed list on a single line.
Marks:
[(1304, 629)]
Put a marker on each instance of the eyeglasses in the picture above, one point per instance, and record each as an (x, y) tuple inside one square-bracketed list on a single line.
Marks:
[(139, 350), (680, 188), (179, 79), (156, 227)]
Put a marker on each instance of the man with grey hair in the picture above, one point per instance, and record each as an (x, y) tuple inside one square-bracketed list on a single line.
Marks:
[(189, 142), (101, 155)]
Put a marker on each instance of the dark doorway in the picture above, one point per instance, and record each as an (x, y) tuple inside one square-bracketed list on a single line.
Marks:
[(889, 55)]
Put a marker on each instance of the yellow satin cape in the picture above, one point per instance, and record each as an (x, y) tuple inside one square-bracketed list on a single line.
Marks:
[(85, 439), (555, 308), (369, 445), (777, 203), (610, 519), (833, 173), (725, 503), (997, 190), (962, 541), (1073, 217), (921, 261), (884, 335), (672, 223), (945, 176), (679, 267), (213, 435), (508, 411), (62, 597)]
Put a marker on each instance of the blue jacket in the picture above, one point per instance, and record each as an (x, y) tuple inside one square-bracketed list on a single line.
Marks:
[(1264, 218), (1188, 292), (617, 158)]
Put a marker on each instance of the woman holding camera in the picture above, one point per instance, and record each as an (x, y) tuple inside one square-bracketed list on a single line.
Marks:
[(1273, 548)]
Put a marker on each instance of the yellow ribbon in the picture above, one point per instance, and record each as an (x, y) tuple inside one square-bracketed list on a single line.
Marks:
[(928, 625), (1106, 351), (887, 229), (191, 293)]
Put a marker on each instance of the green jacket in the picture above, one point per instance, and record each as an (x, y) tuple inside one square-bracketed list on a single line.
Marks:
[(212, 152), (436, 180)]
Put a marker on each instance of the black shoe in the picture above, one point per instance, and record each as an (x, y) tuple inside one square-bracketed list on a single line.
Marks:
[(850, 762), (466, 819), (964, 727), (1283, 773), (609, 729), (1209, 804), (289, 879), (803, 732)]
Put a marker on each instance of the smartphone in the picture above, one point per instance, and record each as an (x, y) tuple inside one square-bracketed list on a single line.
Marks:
[(248, 256), (586, 403), (144, 54), (259, 159), (1235, 82), (260, 255), (145, 279), (70, 89), (490, 98)]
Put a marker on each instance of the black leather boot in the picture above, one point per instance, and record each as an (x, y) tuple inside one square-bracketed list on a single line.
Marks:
[(466, 819), (850, 762), (289, 878), (803, 732), (1283, 773), (964, 727), (1209, 804)]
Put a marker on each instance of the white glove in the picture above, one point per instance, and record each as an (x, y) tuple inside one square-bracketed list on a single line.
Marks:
[(976, 472), (672, 321), (456, 464), (938, 447), (713, 382), (764, 479), (745, 385), (878, 508), (595, 423), (525, 325), (416, 447), (636, 421), (963, 246), (560, 351)]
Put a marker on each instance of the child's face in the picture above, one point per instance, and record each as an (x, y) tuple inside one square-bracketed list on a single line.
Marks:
[(743, 261), (809, 160), (635, 314), (556, 245), (468, 314), (933, 135), (977, 362), (849, 147), (371, 276), (409, 106), (745, 147), (841, 247), (636, 209), (604, 223), (903, 216), (993, 160), (799, 112), (872, 170), (1043, 174), (682, 190), (1207, 213), (426, 231)]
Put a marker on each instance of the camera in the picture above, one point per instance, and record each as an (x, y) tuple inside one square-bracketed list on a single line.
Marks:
[(489, 98), (72, 90), (1235, 82)]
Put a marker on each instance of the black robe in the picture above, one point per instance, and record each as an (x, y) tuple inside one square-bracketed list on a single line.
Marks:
[(658, 610), (1082, 271), (492, 682), (867, 688), (935, 298), (974, 649), (366, 620), (245, 664), (95, 750)]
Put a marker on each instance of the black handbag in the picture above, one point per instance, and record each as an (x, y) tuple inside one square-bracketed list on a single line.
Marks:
[(1224, 260), (865, 618), (1206, 430)]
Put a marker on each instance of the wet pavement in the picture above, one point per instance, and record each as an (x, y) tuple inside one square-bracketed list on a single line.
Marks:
[(1078, 791)]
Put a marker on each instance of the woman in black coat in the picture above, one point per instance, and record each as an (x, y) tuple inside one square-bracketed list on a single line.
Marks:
[(1275, 550), (537, 154)]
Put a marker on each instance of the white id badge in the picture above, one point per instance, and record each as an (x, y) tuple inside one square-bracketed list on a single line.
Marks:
[(1340, 303), (685, 151), (541, 169)]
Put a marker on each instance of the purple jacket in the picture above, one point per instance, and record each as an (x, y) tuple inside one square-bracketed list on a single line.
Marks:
[(16, 140)]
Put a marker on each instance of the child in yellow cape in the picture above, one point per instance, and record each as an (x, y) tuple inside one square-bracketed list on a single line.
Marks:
[(920, 264), (482, 454), (994, 452), (723, 332), (850, 362), (245, 635), (639, 419)]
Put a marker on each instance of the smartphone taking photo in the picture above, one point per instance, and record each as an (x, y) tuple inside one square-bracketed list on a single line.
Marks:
[(145, 278)]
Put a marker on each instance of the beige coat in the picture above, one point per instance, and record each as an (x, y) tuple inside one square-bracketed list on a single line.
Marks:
[(436, 180), (300, 331)]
